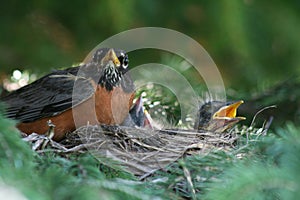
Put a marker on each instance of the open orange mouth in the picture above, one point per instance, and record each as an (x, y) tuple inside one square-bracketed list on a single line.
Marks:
[(228, 112)]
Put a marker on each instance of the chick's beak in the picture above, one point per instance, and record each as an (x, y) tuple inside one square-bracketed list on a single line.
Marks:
[(229, 111), (148, 121), (139, 104), (111, 56)]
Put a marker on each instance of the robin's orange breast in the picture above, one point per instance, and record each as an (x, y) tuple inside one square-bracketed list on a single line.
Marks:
[(104, 107)]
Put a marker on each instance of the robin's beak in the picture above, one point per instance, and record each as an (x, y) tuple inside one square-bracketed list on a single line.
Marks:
[(228, 112), (111, 56)]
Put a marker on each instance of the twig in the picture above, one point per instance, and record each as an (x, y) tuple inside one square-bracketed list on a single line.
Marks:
[(258, 112), (188, 177)]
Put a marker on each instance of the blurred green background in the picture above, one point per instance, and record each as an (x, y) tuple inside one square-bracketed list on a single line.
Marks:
[(255, 44), (250, 41)]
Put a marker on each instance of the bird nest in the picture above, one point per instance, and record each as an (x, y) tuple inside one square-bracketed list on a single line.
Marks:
[(140, 151)]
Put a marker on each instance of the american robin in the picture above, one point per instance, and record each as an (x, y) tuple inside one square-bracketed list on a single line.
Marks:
[(102, 84), (217, 116)]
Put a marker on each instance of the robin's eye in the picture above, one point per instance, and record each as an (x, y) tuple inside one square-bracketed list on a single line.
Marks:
[(124, 60)]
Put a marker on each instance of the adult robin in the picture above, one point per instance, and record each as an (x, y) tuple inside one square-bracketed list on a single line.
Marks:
[(99, 91), (217, 116)]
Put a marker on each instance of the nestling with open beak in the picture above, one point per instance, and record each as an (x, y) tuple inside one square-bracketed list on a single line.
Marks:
[(218, 116)]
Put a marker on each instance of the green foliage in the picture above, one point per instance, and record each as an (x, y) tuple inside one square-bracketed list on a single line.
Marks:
[(254, 181), (276, 177), (14, 153)]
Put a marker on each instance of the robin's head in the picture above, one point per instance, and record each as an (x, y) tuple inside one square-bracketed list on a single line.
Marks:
[(218, 116), (114, 63), (104, 55)]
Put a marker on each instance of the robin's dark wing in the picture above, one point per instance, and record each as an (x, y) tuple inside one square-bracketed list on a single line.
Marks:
[(48, 96)]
